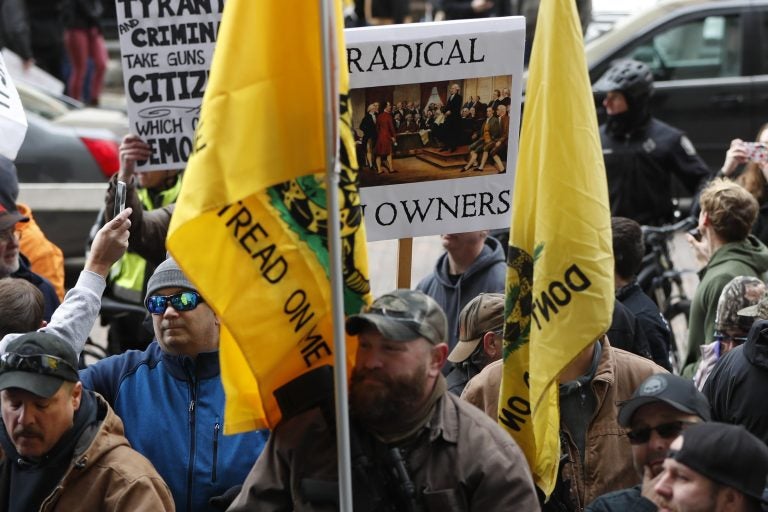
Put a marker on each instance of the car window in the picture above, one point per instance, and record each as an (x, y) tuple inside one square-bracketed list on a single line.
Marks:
[(709, 47)]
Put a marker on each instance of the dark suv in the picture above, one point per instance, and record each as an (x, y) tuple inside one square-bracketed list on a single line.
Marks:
[(710, 64)]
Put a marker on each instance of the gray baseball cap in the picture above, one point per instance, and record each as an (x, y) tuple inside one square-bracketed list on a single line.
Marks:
[(402, 315)]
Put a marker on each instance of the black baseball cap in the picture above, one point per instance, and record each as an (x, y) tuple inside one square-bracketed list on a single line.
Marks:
[(38, 362), (9, 191), (727, 454), (402, 315), (670, 389)]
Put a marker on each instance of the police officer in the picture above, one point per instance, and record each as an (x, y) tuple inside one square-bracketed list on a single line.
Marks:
[(642, 153)]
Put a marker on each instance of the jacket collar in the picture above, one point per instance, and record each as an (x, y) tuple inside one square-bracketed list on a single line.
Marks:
[(204, 366), (444, 422)]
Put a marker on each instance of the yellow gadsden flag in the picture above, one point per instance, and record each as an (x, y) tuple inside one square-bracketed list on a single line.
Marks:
[(250, 225), (560, 264)]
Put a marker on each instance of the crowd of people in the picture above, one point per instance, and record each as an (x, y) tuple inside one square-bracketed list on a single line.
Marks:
[(143, 429)]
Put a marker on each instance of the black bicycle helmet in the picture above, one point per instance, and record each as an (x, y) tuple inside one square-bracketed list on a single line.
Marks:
[(631, 77)]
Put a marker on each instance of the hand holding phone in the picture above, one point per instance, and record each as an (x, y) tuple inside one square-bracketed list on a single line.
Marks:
[(695, 233), (757, 152), (119, 198)]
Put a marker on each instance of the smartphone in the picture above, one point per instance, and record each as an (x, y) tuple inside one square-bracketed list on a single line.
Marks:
[(119, 198), (757, 152), (695, 233)]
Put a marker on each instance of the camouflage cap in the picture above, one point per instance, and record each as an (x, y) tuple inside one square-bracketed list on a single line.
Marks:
[(402, 315), (737, 295), (484, 313), (756, 311)]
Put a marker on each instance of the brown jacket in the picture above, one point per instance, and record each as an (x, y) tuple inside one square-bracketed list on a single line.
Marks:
[(465, 462), (608, 462), (106, 475)]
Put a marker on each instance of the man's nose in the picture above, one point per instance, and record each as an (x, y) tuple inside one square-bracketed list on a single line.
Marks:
[(25, 415), (370, 359), (658, 443), (663, 487)]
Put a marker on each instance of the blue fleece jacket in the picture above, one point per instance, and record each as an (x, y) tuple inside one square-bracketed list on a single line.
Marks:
[(173, 411)]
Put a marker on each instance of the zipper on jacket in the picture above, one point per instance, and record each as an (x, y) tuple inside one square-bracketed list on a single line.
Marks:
[(191, 414), (216, 429)]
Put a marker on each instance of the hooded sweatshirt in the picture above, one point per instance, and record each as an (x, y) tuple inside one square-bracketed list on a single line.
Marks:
[(734, 388), (486, 275), (746, 258)]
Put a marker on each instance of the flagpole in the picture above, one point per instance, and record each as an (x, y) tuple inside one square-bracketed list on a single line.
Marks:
[(331, 115)]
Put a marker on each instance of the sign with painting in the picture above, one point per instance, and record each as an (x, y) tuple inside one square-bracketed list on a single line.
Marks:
[(436, 110)]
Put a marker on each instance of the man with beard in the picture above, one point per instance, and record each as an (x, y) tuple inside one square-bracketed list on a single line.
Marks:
[(661, 407), (449, 455), (714, 467), (641, 153)]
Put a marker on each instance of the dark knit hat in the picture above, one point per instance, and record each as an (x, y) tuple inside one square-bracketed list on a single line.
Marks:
[(168, 275)]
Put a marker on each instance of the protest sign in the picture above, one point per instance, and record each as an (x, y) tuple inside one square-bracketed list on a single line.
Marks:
[(13, 121), (436, 160), (166, 49)]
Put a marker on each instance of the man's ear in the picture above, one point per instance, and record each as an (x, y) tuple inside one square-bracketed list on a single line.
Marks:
[(730, 500), (77, 394), (489, 345), (439, 354)]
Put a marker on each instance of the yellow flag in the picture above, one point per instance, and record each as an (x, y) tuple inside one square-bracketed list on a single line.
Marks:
[(560, 265), (250, 225)]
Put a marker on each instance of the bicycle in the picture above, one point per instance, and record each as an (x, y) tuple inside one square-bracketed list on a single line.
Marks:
[(663, 282)]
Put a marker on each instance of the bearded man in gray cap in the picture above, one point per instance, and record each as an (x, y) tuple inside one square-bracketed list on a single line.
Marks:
[(414, 445), (171, 399), (62, 446)]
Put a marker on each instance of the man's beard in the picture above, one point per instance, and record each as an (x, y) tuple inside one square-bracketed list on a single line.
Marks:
[(388, 400)]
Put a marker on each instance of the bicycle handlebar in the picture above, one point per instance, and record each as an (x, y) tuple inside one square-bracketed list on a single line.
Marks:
[(669, 229)]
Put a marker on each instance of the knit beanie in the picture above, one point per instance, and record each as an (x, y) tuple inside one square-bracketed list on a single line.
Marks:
[(168, 275)]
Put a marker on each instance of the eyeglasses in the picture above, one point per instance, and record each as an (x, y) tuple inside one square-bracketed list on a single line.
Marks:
[(724, 338), (38, 363), (665, 430), (10, 235), (182, 301)]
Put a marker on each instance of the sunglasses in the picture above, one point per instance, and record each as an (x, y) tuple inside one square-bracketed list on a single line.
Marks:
[(182, 301), (665, 430), (737, 340), (38, 363)]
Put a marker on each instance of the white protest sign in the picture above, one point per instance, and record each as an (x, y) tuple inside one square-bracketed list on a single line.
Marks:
[(13, 121), (166, 48), (423, 70)]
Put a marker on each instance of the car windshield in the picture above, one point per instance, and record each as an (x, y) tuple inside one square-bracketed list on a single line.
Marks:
[(41, 103)]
